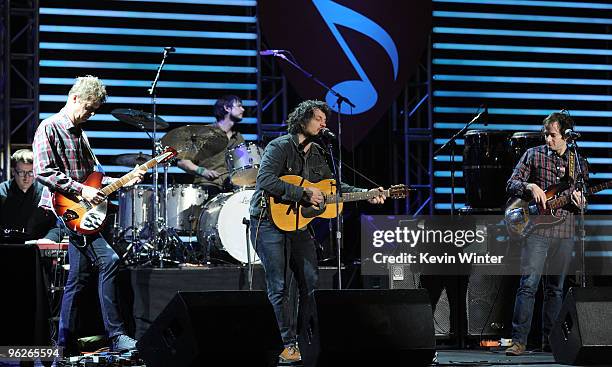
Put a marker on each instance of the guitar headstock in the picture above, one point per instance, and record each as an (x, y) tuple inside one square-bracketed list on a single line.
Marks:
[(166, 155), (399, 191)]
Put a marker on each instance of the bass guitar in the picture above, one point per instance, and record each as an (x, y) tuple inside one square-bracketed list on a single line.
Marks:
[(290, 216), (523, 217), (85, 218)]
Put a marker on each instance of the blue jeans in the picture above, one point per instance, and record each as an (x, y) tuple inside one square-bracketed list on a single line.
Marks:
[(98, 255), (282, 253), (541, 256)]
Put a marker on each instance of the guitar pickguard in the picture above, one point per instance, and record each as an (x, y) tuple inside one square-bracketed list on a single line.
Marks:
[(94, 217)]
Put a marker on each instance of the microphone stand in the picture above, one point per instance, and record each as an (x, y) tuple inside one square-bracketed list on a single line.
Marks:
[(337, 171), (452, 144), (580, 184), (157, 149)]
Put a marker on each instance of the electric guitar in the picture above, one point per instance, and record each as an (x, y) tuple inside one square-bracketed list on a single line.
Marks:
[(85, 218), (290, 216), (523, 217)]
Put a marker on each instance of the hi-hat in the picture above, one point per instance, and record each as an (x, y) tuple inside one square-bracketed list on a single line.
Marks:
[(131, 160), (191, 140), (139, 119)]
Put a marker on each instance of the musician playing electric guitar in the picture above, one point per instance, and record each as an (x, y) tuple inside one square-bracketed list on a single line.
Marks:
[(63, 160), (547, 250), (284, 252)]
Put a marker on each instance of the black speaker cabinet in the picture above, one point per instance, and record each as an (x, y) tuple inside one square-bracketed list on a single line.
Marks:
[(582, 333), (213, 328), (370, 327)]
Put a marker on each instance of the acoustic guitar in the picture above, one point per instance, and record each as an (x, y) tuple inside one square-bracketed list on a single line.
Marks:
[(290, 216)]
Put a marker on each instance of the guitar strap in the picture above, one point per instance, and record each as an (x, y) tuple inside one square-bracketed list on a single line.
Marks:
[(572, 166)]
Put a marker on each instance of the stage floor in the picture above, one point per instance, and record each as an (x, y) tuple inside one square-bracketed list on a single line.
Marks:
[(453, 358), (498, 359)]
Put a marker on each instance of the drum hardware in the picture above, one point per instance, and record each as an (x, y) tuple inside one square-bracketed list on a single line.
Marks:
[(139, 119), (131, 160), (219, 231), (190, 140), (243, 163), (451, 143)]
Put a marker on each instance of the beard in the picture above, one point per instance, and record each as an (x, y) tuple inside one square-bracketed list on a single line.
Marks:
[(235, 118)]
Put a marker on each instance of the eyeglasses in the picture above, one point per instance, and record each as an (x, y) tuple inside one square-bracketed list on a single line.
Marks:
[(25, 173)]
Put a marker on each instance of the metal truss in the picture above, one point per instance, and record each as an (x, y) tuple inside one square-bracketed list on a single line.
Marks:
[(19, 76), (412, 119)]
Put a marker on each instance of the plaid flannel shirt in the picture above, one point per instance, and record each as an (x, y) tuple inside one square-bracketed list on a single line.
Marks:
[(62, 159), (542, 166)]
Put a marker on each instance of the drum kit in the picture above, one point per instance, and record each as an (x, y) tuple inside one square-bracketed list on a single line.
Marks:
[(489, 157), (190, 225)]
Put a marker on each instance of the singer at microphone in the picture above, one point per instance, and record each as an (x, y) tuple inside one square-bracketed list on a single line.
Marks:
[(327, 133)]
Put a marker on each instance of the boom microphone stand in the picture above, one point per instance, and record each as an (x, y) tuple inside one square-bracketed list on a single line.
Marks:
[(157, 149), (452, 144), (580, 184), (337, 171)]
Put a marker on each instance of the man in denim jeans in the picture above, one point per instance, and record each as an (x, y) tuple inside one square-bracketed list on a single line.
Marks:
[(546, 251), (284, 252), (63, 160)]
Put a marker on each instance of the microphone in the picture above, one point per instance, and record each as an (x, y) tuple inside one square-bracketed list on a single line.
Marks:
[(271, 52), (571, 134), (327, 133), (169, 49)]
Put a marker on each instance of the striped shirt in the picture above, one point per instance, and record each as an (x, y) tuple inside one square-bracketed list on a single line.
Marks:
[(542, 166), (62, 158)]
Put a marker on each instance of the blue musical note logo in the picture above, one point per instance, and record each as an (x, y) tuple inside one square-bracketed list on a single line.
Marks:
[(361, 92)]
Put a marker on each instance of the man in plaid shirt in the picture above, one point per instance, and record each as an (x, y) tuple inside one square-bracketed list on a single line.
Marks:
[(62, 160), (546, 251)]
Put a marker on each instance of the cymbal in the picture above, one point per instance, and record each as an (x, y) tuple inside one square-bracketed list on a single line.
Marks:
[(139, 119), (192, 139), (131, 160)]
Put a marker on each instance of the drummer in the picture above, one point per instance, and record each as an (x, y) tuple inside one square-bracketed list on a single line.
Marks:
[(212, 171)]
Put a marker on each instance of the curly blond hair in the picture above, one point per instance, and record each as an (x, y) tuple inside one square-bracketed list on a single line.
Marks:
[(89, 88)]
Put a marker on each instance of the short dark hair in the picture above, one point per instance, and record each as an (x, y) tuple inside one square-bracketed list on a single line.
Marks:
[(225, 101), (299, 117), (563, 118)]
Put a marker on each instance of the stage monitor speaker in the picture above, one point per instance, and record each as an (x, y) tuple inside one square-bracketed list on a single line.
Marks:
[(582, 334), (216, 328), (371, 327)]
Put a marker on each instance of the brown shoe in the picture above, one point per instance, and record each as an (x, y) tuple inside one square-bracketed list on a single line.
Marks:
[(290, 354), (516, 349)]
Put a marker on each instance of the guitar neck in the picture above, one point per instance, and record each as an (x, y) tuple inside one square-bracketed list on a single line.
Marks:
[(107, 190), (566, 199), (356, 196)]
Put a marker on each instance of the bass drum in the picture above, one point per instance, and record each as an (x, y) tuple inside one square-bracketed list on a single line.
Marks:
[(220, 228)]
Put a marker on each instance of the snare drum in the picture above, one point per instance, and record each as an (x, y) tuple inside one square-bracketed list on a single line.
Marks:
[(135, 207), (243, 163), (184, 203), (221, 229)]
